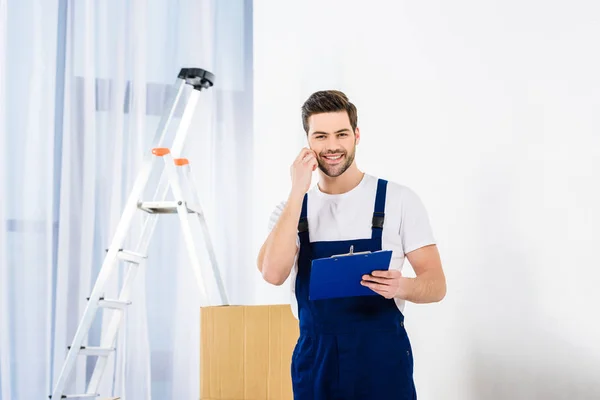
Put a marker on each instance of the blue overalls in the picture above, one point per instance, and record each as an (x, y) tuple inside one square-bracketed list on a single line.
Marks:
[(353, 348)]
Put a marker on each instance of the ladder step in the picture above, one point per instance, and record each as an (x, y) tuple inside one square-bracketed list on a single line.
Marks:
[(130, 256), (95, 351), (114, 304), (165, 207), (109, 303)]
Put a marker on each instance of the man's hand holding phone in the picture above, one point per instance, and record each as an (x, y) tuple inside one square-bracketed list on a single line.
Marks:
[(301, 171)]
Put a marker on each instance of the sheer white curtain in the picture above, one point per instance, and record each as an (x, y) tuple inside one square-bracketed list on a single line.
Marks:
[(82, 87), (5, 357)]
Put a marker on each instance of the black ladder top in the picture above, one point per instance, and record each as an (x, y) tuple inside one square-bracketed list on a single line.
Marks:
[(197, 77)]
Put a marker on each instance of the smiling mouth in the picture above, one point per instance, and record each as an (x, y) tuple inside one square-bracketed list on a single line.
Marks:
[(333, 158)]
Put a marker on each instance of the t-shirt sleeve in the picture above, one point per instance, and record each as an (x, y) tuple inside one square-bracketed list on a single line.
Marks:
[(415, 227), (275, 217)]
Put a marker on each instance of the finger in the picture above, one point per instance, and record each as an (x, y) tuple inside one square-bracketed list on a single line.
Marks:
[(378, 288), (383, 281), (375, 286), (391, 274), (310, 154), (302, 154), (307, 157), (310, 162)]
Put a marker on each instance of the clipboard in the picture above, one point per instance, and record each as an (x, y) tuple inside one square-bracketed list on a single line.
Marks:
[(340, 275)]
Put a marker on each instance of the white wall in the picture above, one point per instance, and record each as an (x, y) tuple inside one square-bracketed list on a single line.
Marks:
[(490, 111)]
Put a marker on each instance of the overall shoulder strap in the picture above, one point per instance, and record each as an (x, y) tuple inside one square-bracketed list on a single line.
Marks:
[(379, 211), (303, 222)]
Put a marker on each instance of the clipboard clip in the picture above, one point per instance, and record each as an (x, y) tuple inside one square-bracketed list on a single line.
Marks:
[(351, 253)]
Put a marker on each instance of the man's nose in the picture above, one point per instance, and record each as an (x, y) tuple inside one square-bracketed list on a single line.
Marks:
[(333, 142)]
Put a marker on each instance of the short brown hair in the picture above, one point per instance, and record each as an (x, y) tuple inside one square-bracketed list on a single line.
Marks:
[(326, 101)]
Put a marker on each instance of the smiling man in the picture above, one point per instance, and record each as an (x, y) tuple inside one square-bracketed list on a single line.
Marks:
[(351, 347)]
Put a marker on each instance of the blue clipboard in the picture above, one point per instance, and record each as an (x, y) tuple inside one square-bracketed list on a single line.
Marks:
[(340, 275)]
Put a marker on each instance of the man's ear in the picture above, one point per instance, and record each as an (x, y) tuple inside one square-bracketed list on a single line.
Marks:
[(357, 134)]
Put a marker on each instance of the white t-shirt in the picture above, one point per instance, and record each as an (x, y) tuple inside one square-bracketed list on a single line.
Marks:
[(349, 215)]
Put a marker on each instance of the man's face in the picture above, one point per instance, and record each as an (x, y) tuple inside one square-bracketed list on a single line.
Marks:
[(330, 136)]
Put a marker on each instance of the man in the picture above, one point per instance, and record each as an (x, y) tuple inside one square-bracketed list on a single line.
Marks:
[(351, 347)]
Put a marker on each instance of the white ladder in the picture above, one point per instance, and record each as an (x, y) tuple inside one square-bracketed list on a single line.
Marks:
[(176, 176)]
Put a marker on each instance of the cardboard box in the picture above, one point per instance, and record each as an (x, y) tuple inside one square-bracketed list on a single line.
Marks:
[(246, 352)]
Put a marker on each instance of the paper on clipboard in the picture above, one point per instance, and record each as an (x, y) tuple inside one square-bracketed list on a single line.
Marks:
[(340, 275)]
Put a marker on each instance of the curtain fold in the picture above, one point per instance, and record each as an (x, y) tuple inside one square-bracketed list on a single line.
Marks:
[(5, 333), (82, 88)]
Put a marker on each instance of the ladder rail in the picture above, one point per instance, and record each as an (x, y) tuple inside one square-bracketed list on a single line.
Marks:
[(182, 212), (184, 124), (195, 198), (166, 119)]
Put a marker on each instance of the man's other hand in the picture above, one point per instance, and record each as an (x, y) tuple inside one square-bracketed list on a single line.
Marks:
[(386, 283)]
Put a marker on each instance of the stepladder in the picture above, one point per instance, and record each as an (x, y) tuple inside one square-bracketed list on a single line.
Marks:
[(168, 176)]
